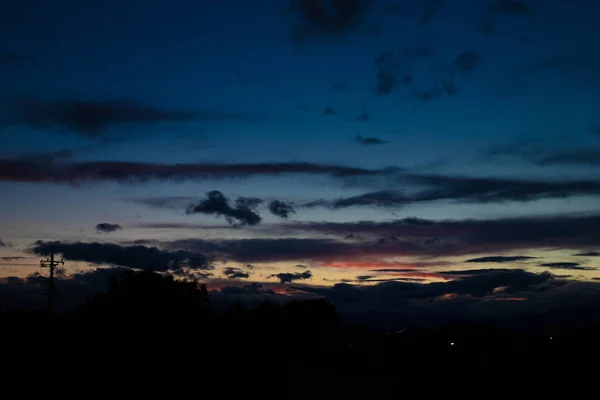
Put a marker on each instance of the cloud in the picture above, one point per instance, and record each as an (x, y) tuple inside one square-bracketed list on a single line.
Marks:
[(468, 60), (2, 244), (10, 58), (287, 277), (364, 277), (430, 9), (329, 111), (533, 151), (32, 171), (139, 257), (235, 273), (281, 208), (92, 119), (479, 285), (576, 66), (251, 289), (567, 265), (587, 157), (511, 7), (217, 204), (163, 202), (13, 258), (301, 266), (248, 202), (453, 237), (108, 228), (328, 19), (386, 69), (499, 259), (429, 188), (468, 272), (366, 141), (588, 254)]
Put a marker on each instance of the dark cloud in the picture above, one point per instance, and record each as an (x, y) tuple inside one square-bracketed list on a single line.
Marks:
[(465, 190), (367, 141), (499, 259), (251, 289), (329, 111), (588, 254), (393, 9), (468, 60), (567, 265), (248, 202), (454, 237), (235, 273), (339, 87), (176, 225), (576, 66), (13, 258), (301, 266), (393, 270), (2, 244), (217, 204), (106, 227), (281, 208), (139, 257), (430, 9), (10, 58), (328, 19), (18, 170), (468, 272), (364, 277), (386, 69), (163, 202), (477, 285), (287, 277), (511, 7), (364, 117), (587, 157), (533, 151), (93, 119), (485, 28)]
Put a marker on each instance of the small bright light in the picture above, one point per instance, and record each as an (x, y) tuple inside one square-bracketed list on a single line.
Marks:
[(550, 337), (451, 343)]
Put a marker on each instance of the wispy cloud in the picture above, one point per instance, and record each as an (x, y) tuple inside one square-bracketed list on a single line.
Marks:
[(32, 171), (328, 20), (511, 7), (92, 119), (499, 259), (368, 141), (567, 265), (430, 188), (106, 227), (11, 58)]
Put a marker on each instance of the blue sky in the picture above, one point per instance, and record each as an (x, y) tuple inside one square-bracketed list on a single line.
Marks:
[(228, 83)]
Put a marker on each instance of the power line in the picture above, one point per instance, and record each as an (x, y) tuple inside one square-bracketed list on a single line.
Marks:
[(51, 263)]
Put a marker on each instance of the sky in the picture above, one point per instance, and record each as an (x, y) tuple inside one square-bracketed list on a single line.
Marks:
[(277, 146)]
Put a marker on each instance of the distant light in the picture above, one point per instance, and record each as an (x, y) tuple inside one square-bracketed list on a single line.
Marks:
[(451, 343), (550, 337)]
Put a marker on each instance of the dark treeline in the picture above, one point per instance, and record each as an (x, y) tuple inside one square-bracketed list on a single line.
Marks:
[(154, 327)]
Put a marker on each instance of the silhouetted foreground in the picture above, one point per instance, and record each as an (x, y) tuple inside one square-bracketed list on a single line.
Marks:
[(148, 328)]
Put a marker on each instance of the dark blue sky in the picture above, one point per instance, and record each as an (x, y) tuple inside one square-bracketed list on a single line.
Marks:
[(346, 122)]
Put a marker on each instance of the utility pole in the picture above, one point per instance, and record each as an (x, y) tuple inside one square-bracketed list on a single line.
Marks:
[(51, 263)]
